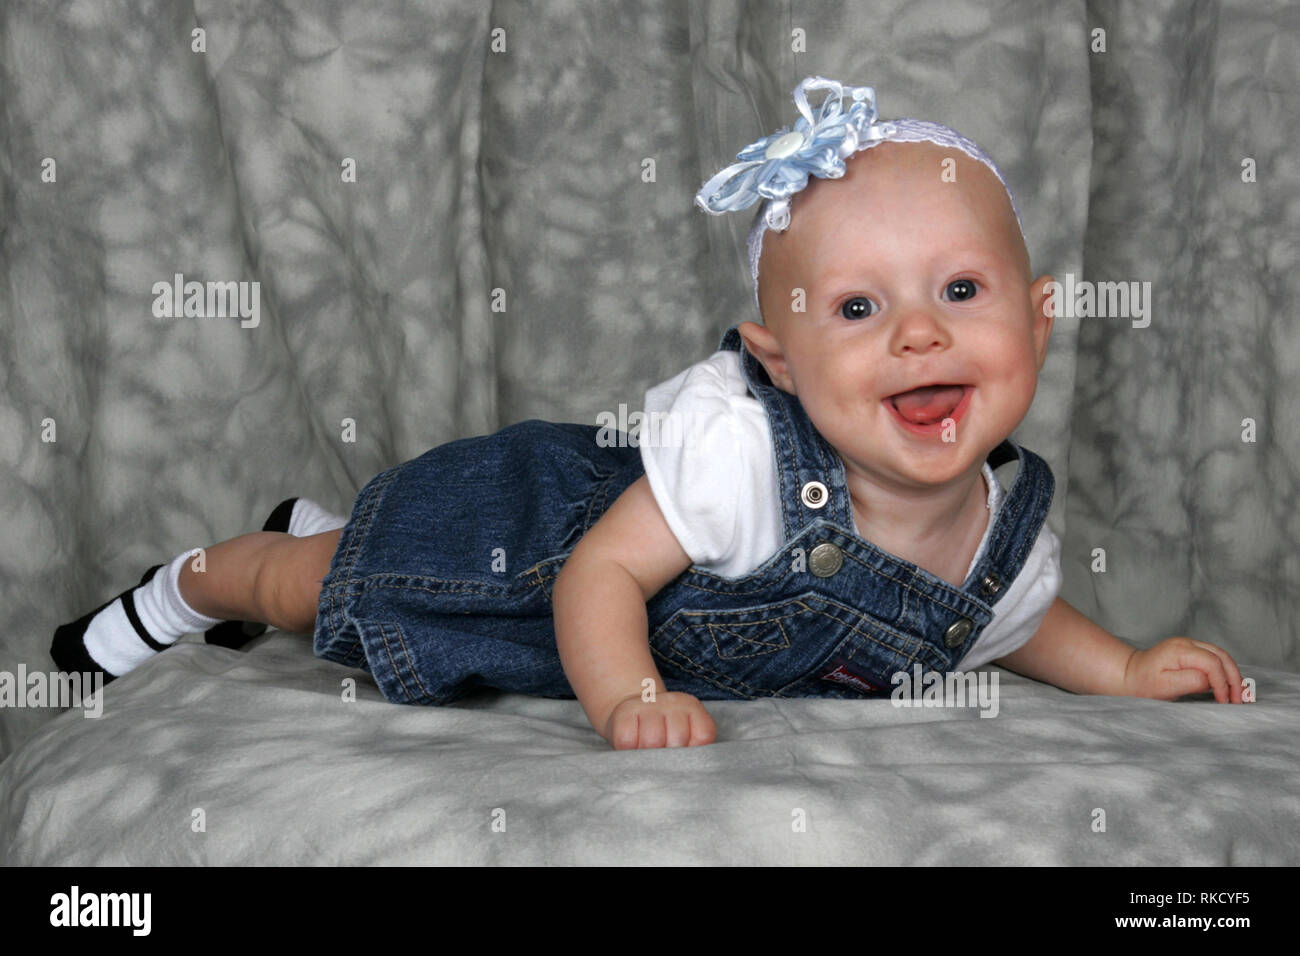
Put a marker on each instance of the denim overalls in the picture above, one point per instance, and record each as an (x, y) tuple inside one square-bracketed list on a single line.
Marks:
[(443, 575)]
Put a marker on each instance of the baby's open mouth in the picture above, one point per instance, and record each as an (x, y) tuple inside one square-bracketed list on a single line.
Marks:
[(928, 404)]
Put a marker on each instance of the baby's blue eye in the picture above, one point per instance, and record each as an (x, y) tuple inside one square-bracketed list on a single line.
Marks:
[(961, 289), (858, 307)]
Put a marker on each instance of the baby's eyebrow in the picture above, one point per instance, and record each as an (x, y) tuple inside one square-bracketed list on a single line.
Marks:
[(954, 260), (979, 255)]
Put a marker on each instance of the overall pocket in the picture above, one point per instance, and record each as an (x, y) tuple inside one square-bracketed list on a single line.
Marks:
[(777, 649)]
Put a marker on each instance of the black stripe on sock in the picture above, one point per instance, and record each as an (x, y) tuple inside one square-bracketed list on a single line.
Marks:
[(279, 520), (128, 602), (69, 650)]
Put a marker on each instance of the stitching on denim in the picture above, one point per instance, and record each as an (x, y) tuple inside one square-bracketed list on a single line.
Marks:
[(933, 659), (727, 683), (856, 616), (913, 646), (903, 584), (334, 642), (387, 579), (469, 588), (907, 586), (765, 582), (526, 579), (767, 648), (693, 572), (397, 674), (406, 660), (331, 629), (536, 569), (406, 656), (338, 593), (350, 548), (1021, 510), (800, 606), (787, 483), (911, 656), (357, 649), (545, 581), (361, 527), (1032, 507)]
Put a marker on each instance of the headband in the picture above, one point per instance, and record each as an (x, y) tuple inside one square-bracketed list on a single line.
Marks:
[(777, 166)]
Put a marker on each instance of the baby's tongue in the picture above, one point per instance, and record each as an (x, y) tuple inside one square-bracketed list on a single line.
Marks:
[(928, 404)]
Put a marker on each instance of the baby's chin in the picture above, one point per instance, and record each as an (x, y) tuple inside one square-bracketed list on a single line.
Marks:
[(926, 468), (922, 482)]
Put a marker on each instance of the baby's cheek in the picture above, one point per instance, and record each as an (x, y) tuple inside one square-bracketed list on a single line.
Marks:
[(1015, 378), (1026, 385), (1018, 359)]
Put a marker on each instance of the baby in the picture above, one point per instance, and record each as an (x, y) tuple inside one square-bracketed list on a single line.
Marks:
[(826, 517)]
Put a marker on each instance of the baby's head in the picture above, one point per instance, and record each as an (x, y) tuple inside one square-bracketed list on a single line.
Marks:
[(908, 271)]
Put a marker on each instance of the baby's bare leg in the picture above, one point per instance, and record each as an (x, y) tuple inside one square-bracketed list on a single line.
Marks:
[(268, 576)]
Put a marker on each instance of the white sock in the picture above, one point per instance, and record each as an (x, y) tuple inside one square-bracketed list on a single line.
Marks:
[(144, 620), (309, 518), (114, 642)]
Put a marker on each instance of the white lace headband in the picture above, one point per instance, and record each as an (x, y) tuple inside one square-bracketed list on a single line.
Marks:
[(777, 166)]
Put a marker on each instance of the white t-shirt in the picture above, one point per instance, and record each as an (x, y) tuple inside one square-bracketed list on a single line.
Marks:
[(707, 449)]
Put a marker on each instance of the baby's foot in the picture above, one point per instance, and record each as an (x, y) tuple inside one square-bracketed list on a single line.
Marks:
[(299, 517), (125, 632)]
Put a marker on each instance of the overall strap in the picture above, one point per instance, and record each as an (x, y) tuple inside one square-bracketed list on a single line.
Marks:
[(810, 474), (1019, 521)]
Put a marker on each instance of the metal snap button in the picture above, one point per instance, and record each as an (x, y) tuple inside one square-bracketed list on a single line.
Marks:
[(825, 560), (957, 632), (815, 495), (991, 584)]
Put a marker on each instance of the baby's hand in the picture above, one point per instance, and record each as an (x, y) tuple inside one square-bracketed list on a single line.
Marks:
[(673, 719), (1178, 666)]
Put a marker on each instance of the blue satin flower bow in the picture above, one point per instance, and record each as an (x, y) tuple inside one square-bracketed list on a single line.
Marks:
[(778, 166)]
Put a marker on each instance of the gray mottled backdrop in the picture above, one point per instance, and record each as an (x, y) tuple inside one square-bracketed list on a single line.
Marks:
[(521, 170)]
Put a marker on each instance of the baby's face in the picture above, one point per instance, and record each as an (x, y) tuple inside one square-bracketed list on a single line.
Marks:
[(907, 280)]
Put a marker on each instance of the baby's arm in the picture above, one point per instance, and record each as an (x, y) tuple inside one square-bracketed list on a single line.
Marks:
[(1073, 653), (602, 631)]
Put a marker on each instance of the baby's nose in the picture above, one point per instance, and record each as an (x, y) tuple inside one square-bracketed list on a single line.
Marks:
[(918, 329)]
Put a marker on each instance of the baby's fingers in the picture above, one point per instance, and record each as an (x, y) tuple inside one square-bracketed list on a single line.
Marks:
[(703, 729), (652, 731), (626, 732), (1179, 683), (1194, 670), (1232, 674), (679, 728)]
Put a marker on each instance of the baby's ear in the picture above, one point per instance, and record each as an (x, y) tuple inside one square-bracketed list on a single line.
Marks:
[(1044, 298), (763, 345)]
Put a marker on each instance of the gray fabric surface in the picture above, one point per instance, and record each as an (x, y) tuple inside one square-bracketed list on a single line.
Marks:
[(285, 773), (521, 171)]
